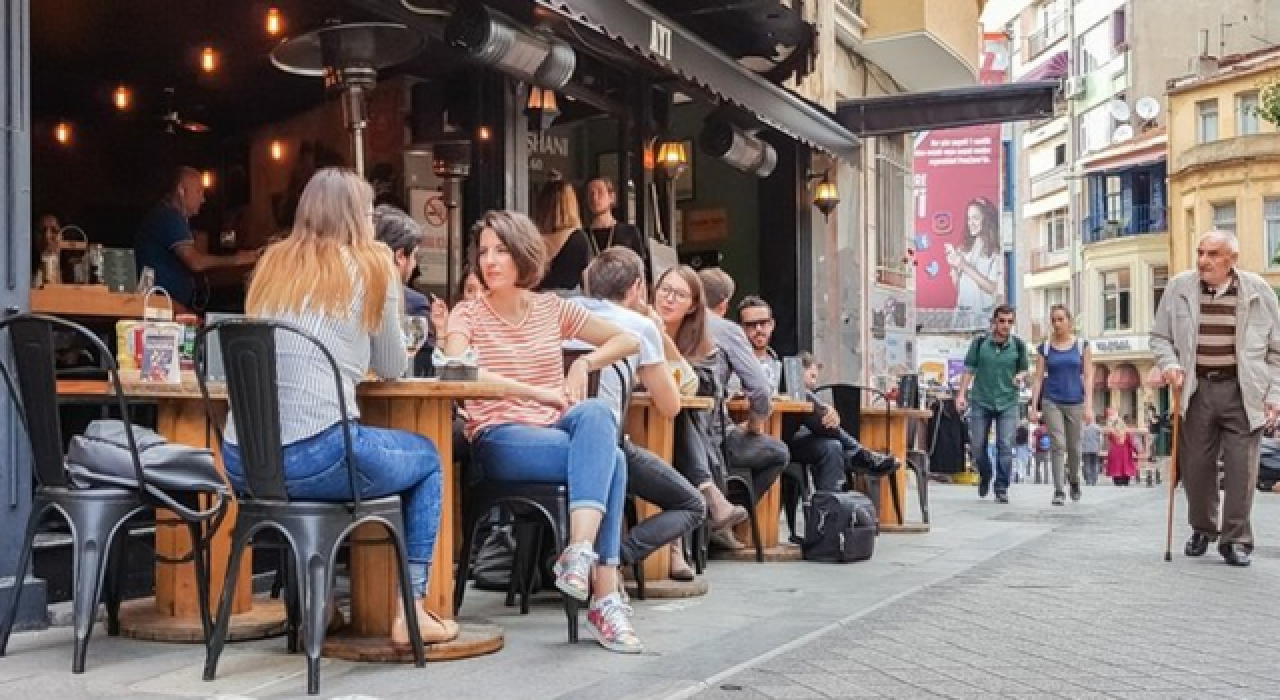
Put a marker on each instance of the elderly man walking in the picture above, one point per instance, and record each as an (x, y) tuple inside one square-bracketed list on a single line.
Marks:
[(1217, 336)]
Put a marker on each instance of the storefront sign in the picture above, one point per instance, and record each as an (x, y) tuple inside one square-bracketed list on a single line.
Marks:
[(960, 261), (428, 209), (702, 226), (1122, 345)]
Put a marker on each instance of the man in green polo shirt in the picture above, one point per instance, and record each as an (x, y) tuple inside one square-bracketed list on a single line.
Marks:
[(995, 369)]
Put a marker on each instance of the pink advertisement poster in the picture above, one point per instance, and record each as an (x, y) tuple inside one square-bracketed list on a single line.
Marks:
[(960, 261)]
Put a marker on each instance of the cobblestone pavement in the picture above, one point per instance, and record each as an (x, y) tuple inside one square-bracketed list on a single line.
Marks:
[(1087, 610)]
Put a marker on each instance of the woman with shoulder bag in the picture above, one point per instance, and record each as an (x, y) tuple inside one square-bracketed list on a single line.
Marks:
[(1062, 387)]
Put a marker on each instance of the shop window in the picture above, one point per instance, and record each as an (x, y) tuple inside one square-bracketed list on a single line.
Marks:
[(1271, 229), (893, 193), (1224, 216), (1159, 280), (1054, 227), (1247, 114), (1116, 301), (1206, 121)]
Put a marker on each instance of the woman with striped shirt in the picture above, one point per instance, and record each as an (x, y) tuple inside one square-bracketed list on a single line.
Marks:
[(545, 430), (331, 278)]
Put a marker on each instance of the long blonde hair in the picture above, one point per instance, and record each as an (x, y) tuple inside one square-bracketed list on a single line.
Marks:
[(308, 272)]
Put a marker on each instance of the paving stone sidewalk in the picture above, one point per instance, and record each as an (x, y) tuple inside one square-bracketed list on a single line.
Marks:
[(1088, 610)]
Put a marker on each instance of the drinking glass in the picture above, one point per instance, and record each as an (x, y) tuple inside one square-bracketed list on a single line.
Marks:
[(414, 330)]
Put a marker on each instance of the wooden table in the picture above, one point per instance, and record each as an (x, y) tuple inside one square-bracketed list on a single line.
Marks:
[(424, 407), (174, 614), (420, 406), (654, 432), (769, 505), (890, 435)]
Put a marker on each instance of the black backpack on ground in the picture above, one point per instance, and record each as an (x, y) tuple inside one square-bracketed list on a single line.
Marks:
[(839, 527)]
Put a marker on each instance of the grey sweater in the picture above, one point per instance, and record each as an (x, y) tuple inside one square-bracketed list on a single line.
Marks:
[(734, 357)]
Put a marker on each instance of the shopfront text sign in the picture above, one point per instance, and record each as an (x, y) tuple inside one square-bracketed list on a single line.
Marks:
[(659, 39), (1121, 345)]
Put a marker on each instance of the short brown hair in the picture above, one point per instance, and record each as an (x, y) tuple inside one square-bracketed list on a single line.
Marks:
[(613, 272), (522, 241), (556, 208), (718, 286)]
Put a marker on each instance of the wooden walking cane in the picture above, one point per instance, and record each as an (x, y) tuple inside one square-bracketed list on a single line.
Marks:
[(1173, 471)]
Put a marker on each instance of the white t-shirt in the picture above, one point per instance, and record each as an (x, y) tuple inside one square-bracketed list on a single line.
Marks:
[(650, 346)]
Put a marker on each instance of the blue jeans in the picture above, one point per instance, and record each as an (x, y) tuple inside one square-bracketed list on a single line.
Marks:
[(1006, 422), (581, 449), (387, 462)]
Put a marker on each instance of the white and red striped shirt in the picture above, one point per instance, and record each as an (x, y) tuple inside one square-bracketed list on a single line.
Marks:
[(528, 352)]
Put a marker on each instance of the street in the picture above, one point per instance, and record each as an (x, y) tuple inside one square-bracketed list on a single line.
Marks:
[(1024, 600)]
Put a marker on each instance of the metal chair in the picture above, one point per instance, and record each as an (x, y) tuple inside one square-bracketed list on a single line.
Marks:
[(314, 530), (98, 511), (541, 504)]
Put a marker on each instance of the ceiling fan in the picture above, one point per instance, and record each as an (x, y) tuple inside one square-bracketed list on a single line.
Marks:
[(174, 122)]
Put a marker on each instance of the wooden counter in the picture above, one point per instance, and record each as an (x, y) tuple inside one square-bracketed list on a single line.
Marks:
[(85, 300)]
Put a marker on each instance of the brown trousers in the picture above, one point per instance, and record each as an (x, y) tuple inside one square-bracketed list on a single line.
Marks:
[(1216, 424)]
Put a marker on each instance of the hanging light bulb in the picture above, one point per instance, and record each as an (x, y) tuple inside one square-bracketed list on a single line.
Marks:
[(277, 150), (206, 179), (208, 59), (275, 22), (484, 133), (122, 97), (62, 133)]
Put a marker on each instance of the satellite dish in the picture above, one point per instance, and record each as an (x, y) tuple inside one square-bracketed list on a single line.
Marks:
[(1123, 133), (1120, 110), (1147, 108)]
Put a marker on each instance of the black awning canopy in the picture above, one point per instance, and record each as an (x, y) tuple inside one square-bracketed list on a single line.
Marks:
[(945, 109), (702, 67)]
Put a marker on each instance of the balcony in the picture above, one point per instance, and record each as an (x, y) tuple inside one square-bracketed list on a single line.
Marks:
[(924, 44), (1045, 258), (1134, 221), (1044, 37)]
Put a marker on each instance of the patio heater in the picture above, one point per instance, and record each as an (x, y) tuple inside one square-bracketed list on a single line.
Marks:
[(451, 162), (348, 57)]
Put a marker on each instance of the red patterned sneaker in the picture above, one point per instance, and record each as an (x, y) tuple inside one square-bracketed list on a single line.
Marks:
[(573, 571), (610, 623)]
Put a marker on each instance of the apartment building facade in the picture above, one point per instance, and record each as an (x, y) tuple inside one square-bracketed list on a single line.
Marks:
[(1093, 219)]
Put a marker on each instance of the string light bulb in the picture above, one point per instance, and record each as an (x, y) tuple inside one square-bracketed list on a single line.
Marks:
[(275, 22), (277, 150), (208, 59), (62, 133), (206, 179), (123, 97), (484, 133)]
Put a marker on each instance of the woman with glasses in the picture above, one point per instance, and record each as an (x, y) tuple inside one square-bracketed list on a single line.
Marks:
[(331, 278), (678, 299), (546, 430)]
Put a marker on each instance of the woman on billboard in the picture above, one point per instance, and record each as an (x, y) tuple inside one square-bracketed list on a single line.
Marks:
[(977, 267)]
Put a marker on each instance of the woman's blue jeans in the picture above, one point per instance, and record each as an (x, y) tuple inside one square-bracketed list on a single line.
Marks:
[(580, 450), (387, 462)]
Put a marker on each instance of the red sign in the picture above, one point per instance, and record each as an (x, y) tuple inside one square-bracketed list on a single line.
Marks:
[(960, 261)]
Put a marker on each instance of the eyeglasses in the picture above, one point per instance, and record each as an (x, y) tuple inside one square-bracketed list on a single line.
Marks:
[(673, 293), (760, 323)]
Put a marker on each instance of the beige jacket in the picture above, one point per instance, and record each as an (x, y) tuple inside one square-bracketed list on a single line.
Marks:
[(1177, 325)]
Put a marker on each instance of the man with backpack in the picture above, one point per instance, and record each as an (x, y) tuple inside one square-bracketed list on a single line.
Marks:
[(995, 369)]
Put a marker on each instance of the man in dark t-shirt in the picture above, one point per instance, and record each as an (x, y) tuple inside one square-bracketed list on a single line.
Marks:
[(605, 231), (165, 244)]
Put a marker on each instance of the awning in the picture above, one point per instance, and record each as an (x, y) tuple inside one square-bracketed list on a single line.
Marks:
[(1124, 377), (945, 109), (684, 54), (1056, 67)]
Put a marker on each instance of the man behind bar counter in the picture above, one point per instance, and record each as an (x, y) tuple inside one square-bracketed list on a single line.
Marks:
[(165, 243)]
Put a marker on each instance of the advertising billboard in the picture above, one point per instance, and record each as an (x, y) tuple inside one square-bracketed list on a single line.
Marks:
[(960, 273)]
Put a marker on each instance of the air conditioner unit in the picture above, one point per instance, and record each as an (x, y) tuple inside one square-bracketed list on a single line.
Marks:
[(1074, 88)]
